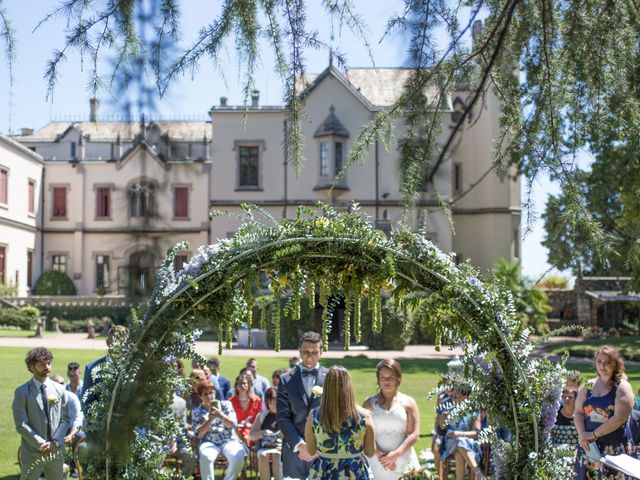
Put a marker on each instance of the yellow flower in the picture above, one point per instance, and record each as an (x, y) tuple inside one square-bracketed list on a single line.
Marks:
[(322, 222), (52, 399), (358, 438)]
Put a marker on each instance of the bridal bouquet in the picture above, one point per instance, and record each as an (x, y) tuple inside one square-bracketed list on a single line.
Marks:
[(419, 473)]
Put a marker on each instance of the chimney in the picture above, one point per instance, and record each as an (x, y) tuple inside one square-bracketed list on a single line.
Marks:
[(255, 98), (81, 149), (26, 131), (223, 101), (118, 148), (94, 104), (205, 147)]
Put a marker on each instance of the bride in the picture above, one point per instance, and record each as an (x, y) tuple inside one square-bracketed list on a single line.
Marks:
[(397, 424)]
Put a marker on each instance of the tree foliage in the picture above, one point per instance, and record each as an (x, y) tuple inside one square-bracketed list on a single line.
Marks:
[(54, 283)]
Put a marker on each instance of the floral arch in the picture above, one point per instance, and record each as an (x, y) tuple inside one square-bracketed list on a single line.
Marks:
[(335, 254)]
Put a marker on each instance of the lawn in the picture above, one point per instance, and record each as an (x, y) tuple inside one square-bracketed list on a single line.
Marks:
[(629, 347), (420, 377)]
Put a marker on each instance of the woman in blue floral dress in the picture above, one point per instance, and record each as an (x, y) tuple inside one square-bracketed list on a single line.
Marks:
[(601, 415), (340, 432)]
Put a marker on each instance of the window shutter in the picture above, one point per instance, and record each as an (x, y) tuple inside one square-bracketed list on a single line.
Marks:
[(181, 202), (59, 202), (4, 186), (32, 197)]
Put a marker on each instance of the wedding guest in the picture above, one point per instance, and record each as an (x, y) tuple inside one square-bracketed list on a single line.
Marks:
[(193, 399), (266, 433), (294, 361), (564, 431), (92, 371), (178, 445), (223, 382), (75, 382), (262, 382), (214, 422), (460, 440), (214, 380), (295, 401), (574, 379), (397, 423), (339, 432), (275, 376), (601, 413), (76, 419), (41, 418), (246, 404)]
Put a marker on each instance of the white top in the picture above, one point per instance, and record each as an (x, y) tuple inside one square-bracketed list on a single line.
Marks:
[(391, 431)]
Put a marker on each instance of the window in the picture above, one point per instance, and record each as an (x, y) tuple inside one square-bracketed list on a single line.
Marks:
[(457, 178), (516, 243), (142, 200), (324, 159), (249, 165), (3, 256), (103, 202), (181, 202), (73, 149), (179, 261), (29, 268), (338, 160), (59, 263), (31, 202), (102, 271), (59, 202), (4, 186)]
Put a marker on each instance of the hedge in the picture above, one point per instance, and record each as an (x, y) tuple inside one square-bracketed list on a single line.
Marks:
[(24, 319), (54, 283)]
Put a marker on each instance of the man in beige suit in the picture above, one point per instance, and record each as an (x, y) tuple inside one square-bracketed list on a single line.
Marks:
[(41, 416)]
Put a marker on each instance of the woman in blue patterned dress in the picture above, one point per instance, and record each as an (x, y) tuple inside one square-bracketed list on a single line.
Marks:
[(339, 432), (601, 415)]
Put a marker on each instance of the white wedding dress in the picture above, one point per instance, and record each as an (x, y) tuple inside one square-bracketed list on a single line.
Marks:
[(391, 430)]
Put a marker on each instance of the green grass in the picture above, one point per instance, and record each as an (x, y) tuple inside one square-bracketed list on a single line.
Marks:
[(629, 347), (5, 332), (420, 376)]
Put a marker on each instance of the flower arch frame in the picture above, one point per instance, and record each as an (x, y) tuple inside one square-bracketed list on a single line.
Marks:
[(332, 253)]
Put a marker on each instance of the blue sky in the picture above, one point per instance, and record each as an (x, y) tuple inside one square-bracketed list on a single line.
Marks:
[(27, 105)]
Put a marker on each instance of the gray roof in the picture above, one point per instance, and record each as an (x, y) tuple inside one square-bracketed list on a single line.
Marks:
[(613, 295), (109, 131), (379, 86), (331, 126)]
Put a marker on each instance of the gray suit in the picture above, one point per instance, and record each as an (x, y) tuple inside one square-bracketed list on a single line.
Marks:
[(31, 423)]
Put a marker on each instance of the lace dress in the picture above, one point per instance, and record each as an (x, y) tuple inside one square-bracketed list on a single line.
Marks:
[(340, 455), (391, 431)]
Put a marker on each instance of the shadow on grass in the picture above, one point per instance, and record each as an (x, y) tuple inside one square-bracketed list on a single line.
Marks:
[(10, 477)]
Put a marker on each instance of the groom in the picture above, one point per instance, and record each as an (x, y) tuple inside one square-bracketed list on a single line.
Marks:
[(295, 401)]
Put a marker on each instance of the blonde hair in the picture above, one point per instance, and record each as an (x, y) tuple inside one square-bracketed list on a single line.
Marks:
[(338, 402)]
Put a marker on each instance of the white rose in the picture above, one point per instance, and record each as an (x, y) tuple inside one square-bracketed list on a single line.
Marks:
[(316, 391)]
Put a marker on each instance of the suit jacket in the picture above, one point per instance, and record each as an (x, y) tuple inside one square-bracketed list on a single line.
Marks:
[(225, 387), (90, 381), (31, 421), (294, 405)]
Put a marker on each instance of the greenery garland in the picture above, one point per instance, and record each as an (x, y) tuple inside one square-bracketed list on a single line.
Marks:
[(344, 256)]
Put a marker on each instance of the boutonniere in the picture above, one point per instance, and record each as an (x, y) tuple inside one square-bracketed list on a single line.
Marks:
[(53, 399), (316, 391)]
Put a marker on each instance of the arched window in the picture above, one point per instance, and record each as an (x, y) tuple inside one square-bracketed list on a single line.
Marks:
[(142, 199)]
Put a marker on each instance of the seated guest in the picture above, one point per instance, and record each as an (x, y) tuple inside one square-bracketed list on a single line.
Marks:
[(261, 382), (246, 404), (294, 361), (178, 445), (460, 440), (223, 382), (266, 432), (75, 382), (74, 434), (214, 422), (564, 431), (275, 376), (192, 398), (213, 379)]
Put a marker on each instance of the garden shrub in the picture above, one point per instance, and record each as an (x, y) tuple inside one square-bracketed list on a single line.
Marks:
[(54, 283), (24, 319)]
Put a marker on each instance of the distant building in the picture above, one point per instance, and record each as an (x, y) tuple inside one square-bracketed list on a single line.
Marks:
[(21, 172), (118, 194)]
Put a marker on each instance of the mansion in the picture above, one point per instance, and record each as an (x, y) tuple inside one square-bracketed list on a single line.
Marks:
[(102, 201)]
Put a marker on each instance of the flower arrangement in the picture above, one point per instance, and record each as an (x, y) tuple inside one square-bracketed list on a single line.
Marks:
[(419, 473), (322, 254)]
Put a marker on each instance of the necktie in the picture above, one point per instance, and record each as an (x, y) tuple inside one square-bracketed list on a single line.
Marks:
[(312, 372), (45, 406)]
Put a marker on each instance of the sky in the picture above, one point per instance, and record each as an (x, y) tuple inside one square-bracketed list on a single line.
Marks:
[(25, 102)]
